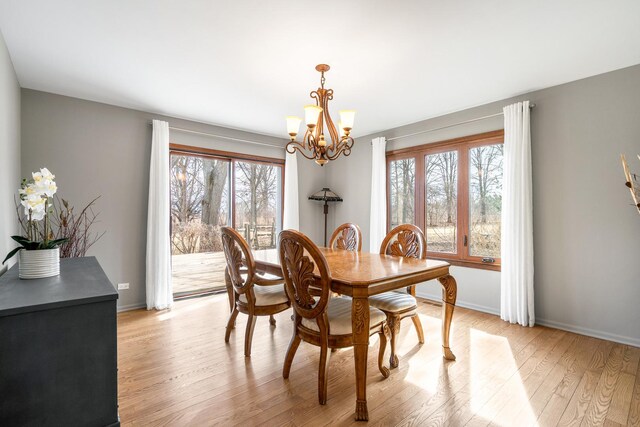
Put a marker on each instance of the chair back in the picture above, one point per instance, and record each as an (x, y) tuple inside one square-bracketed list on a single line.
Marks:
[(348, 237), (238, 254), (299, 257), (406, 240)]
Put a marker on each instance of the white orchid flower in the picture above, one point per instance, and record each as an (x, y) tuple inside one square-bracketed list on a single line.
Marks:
[(38, 215), (46, 187), (46, 174), (33, 202), (35, 206), (28, 191)]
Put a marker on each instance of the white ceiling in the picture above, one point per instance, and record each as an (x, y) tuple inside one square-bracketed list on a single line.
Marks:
[(247, 64)]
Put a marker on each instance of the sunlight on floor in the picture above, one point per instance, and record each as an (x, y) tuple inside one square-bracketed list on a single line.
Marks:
[(189, 308), (419, 373), (510, 403)]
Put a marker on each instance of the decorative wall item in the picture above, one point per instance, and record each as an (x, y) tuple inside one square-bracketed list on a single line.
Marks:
[(632, 182)]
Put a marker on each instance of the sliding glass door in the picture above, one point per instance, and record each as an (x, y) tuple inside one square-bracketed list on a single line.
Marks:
[(212, 191), (257, 191)]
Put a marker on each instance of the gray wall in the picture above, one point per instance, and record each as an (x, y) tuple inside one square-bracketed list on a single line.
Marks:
[(586, 254), (587, 269), (97, 149), (9, 152)]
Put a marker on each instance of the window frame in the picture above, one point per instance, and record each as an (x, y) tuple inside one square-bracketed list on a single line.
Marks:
[(418, 153), (232, 158)]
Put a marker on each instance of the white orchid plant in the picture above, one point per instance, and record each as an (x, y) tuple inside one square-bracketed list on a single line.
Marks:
[(36, 197)]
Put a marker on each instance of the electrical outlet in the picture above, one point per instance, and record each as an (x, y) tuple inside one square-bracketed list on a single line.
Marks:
[(122, 286)]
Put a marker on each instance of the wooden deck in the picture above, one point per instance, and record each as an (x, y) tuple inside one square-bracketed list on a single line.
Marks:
[(193, 273), (176, 370)]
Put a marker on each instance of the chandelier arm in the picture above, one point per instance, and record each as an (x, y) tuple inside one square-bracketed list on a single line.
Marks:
[(318, 96), (335, 154), (310, 141), (331, 127), (344, 147), (315, 148), (295, 145), (305, 140)]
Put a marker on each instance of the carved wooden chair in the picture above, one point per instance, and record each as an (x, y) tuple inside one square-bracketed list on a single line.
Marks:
[(322, 320), (405, 240), (348, 237), (253, 294)]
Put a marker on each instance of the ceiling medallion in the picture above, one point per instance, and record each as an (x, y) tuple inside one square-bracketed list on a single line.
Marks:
[(314, 146)]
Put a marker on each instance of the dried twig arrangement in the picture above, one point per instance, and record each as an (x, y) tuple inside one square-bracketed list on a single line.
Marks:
[(76, 227), (632, 182)]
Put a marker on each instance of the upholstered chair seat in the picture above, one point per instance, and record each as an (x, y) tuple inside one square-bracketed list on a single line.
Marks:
[(267, 295), (395, 302), (339, 314)]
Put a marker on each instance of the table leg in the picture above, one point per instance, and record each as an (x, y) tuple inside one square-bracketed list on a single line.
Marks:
[(449, 293), (360, 319)]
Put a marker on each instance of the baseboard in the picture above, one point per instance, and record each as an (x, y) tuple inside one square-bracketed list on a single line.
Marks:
[(544, 322), (635, 342), (461, 303), (130, 307)]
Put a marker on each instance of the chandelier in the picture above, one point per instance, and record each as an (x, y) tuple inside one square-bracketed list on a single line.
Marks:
[(314, 146)]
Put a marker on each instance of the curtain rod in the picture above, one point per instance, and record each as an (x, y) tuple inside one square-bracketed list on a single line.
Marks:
[(213, 135), (451, 125)]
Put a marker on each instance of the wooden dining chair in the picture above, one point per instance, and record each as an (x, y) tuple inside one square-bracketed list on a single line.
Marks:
[(253, 294), (405, 240), (348, 237), (321, 320)]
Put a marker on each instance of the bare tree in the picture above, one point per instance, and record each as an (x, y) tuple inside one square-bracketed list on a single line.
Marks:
[(215, 174), (487, 162), (186, 188), (402, 177), (256, 191), (442, 174)]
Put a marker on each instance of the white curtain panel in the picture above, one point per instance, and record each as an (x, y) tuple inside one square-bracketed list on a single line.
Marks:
[(378, 218), (159, 289), (291, 216), (517, 303)]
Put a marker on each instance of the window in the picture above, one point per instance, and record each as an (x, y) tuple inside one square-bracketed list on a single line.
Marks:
[(402, 176), (258, 206), (212, 189), (453, 191)]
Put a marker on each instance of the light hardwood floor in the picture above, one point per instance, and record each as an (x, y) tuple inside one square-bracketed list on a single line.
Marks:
[(175, 369)]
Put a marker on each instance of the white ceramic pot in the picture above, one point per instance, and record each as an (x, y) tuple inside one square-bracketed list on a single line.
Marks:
[(39, 263)]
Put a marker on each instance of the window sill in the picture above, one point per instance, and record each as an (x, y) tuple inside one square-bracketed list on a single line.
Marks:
[(467, 263)]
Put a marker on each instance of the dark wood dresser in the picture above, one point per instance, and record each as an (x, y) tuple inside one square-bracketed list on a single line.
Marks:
[(58, 348)]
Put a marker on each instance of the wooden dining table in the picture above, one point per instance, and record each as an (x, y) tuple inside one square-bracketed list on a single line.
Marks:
[(361, 275)]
